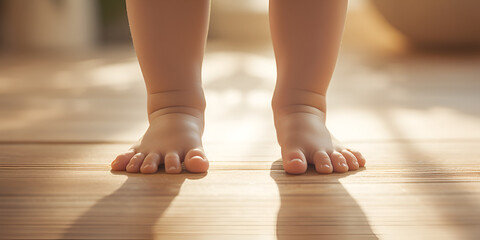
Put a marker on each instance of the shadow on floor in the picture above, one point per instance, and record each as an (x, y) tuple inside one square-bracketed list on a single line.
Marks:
[(317, 206), (132, 210)]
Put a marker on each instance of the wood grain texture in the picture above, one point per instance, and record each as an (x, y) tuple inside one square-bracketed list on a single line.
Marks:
[(66, 191)]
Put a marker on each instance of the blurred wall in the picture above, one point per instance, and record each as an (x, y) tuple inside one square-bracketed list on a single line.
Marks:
[(66, 25), (49, 24), (69, 25), (240, 21)]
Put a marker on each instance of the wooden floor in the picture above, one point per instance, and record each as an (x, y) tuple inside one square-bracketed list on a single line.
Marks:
[(414, 116)]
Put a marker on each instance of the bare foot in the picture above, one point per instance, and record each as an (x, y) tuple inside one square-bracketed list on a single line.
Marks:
[(174, 136), (304, 139)]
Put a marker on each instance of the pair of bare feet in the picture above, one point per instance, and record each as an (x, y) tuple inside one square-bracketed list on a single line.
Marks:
[(175, 132), (169, 39)]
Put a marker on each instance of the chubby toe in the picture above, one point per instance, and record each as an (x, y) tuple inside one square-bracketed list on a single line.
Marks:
[(360, 158), (150, 163), (195, 161), (339, 162), (121, 161), (322, 162), (135, 163), (294, 162), (172, 163), (351, 160)]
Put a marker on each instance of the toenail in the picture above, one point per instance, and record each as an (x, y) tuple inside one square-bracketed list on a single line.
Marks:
[(296, 160), (326, 166), (172, 168), (343, 164), (146, 165), (197, 157)]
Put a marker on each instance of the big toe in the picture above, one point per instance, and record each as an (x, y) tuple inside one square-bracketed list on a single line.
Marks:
[(121, 161), (196, 161), (294, 162)]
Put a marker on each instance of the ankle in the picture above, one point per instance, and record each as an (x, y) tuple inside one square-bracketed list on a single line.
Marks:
[(188, 101), (297, 100)]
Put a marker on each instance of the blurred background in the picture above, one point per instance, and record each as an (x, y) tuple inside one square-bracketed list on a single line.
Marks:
[(68, 25), (406, 69)]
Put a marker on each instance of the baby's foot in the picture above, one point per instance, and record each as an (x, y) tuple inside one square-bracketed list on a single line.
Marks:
[(174, 136), (304, 138)]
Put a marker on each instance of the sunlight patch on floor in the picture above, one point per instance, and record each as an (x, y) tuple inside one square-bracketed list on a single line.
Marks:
[(116, 75)]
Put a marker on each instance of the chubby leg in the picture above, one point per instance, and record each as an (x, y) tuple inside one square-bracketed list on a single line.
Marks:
[(306, 37), (169, 38)]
